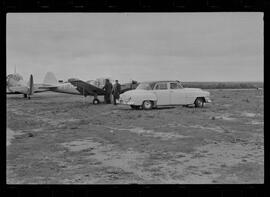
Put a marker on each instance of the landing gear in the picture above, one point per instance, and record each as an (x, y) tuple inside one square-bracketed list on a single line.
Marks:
[(95, 101), (26, 96)]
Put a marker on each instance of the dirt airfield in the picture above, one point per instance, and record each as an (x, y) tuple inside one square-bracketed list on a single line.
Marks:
[(60, 139)]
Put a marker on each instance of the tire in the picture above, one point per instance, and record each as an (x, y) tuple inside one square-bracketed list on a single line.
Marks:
[(95, 101), (135, 107), (147, 105), (199, 102)]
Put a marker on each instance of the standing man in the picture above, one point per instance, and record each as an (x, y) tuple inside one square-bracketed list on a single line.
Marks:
[(116, 91), (108, 91)]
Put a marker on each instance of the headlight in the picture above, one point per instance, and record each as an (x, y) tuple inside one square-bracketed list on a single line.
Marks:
[(125, 99), (207, 99), (207, 94)]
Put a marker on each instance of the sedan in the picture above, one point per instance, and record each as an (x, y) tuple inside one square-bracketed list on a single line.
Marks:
[(152, 94)]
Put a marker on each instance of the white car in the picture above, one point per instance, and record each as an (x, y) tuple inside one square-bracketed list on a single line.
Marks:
[(149, 95)]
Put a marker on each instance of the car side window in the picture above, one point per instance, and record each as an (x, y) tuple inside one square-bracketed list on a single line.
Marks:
[(175, 86), (161, 86)]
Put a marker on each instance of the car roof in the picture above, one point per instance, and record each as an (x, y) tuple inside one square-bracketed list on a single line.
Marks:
[(162, 81)]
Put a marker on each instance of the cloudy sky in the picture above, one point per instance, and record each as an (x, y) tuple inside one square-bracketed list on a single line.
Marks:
[(139, 46)]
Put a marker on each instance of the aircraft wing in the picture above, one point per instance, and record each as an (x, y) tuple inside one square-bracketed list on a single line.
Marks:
[(128, 86), (14, 93), (36, 90), (44, 87), (86, 88)]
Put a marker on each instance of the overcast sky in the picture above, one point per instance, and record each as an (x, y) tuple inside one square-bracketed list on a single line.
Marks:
[(139, 46)]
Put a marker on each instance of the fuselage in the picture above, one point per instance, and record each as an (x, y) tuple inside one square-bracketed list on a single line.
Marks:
[(67, 88)]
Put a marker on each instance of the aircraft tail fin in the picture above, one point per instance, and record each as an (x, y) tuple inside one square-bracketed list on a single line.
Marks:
[(50, 79), (31, 85)]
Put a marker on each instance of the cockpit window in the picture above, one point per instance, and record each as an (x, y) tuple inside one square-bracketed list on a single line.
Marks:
[(15, 77)]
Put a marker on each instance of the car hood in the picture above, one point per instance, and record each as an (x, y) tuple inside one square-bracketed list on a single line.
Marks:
[(132, 92)]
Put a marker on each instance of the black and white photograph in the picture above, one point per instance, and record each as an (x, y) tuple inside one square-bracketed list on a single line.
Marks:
[(135, 98)]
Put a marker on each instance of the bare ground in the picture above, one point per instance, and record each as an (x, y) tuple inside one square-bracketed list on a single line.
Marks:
[(57, 138)]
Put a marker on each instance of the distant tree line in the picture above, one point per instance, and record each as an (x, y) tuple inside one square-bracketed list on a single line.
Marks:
[(223, 85)]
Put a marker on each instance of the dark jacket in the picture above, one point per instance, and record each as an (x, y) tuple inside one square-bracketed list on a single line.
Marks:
[(116, 90), (108, 87)]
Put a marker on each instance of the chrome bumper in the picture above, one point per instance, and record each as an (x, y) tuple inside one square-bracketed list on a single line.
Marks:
[(208, 100), (126, 102)]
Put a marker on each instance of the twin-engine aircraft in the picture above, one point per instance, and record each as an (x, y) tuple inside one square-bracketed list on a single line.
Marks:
[(16, 85)]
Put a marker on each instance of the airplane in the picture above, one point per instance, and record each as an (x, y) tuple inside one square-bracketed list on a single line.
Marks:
[(85, 88), (79, 87), (52, 84), (90, 88), (16, 85)]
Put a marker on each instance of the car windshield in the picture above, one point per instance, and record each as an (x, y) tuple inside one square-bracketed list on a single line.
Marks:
[(144, 86)]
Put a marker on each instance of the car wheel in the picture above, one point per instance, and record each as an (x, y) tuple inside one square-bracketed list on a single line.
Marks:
[(95, 101), (147, 105), (199, 102)]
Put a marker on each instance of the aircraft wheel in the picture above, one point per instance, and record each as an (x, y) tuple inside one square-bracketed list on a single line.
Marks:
[(95, 101)]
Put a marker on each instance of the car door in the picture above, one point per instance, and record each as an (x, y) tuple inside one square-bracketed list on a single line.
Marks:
[(177, 94), (162, 93)]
